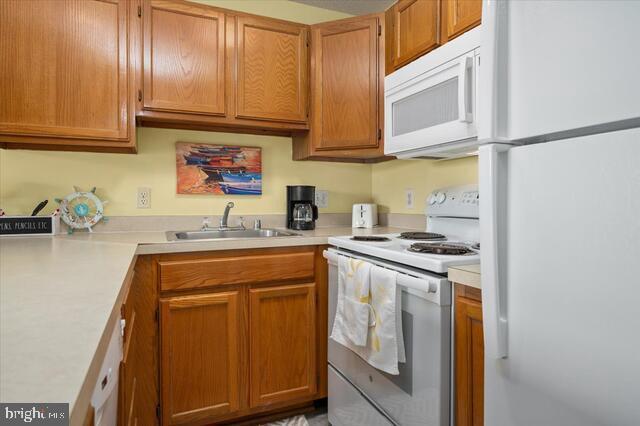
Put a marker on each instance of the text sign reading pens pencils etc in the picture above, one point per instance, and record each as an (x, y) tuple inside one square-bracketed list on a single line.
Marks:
[(27, 225)]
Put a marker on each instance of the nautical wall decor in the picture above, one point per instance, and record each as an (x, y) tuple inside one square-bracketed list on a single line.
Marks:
[(81, 210), (218, 169)]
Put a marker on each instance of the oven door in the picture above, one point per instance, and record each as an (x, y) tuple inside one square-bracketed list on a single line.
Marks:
[(420, 394), (433, 110)]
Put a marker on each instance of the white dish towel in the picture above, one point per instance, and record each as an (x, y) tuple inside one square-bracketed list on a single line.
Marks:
[(369, 302), (385, 343), (353, 312)]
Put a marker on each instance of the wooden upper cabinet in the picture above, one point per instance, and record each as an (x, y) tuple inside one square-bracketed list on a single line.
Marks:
[(283, 343), (272, 70), (199, 357), (419, 26), (65, 74), (415, 29), (459, 16), (347, 84), (184, 57), (347, 72)]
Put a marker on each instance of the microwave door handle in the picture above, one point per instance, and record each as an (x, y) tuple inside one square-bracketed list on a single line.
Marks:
[(464, 89), (492, 166)]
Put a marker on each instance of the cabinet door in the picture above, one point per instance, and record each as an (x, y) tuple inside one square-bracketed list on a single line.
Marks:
[(459, 16), (183, 58), (272, 70), (283, 343), (199, 356), (347, 84), (469, 362), (128, 402), (64, 70), (415, 29)]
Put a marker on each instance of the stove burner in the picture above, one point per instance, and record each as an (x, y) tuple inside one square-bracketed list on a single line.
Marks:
[(432, 236), (369, 238), (440, 248)]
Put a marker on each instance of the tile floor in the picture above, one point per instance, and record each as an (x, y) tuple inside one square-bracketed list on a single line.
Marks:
[(312, 419)]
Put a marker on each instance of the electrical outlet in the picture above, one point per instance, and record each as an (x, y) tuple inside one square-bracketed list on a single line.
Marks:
[(409, 198), (144, 198), (322, 199)]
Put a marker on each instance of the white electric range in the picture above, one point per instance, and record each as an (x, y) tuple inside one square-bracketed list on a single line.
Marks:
[(452, 227), (421, 394)]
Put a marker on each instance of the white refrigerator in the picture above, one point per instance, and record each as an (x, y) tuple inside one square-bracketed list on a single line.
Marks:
[(560, 213)]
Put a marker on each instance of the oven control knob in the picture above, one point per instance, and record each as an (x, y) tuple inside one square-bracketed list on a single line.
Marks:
[(440, 197), (432, 199)]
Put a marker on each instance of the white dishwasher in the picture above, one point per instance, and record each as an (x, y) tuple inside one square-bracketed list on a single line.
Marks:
[(105, 394)]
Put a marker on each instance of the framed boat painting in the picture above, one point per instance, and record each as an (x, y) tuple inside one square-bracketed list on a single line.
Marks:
[(218, 169)]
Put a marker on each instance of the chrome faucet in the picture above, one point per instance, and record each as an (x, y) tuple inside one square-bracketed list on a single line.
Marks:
[(224, 220)]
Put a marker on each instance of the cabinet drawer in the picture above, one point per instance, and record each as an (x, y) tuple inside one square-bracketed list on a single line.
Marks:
[(240, 269)]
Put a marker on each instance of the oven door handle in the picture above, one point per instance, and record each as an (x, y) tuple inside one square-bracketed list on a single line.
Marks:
[(402, 279), (332, 258)]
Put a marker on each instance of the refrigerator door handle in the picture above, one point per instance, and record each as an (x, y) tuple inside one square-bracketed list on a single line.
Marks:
[(492, 86), (493, 211), (464, 90)]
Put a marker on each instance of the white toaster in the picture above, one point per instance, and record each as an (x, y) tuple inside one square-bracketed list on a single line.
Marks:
[(364, 216)]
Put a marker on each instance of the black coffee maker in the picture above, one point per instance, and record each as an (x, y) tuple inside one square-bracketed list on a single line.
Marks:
[(302, 213)]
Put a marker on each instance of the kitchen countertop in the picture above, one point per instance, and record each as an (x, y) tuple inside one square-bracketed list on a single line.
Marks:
[(468, 275), (156, 242), (59, 301), (60, 298)]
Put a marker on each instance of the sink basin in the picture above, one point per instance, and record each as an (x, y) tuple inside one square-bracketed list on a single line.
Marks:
[(230, 233)]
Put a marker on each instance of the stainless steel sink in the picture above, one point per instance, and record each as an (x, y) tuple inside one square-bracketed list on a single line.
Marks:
[(230, 233)]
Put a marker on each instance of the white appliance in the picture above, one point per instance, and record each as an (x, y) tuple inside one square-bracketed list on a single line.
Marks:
[(364, 216), (105, 393), (359, 394), (560, 221), (431, 103)]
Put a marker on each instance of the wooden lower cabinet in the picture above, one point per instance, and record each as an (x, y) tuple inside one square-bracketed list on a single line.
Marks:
[(138, 376), (199, 356), (469, 357), (283, 343), (245, 349)]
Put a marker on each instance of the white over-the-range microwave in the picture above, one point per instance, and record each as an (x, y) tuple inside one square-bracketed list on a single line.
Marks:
[(431, 105)]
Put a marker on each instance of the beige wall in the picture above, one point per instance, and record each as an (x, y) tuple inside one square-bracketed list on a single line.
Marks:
[(26, 177), (389, 181), (281, 9)]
